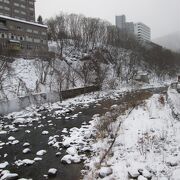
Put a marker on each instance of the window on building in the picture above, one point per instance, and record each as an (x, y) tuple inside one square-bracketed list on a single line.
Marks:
[(7, 8), (16, 11), (6, 1), (23, 6), (16, 4)]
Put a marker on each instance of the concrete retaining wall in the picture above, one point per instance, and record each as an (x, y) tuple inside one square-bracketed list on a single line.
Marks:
[(38, 99)]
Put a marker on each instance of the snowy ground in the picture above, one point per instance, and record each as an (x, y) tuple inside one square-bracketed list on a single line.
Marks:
[(147, 145)]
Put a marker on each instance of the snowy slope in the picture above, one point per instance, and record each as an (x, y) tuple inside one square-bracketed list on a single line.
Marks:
[(23, 76)]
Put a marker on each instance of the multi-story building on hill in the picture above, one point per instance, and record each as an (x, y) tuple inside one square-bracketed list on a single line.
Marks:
[(19, 9), (121, 21), (18, 29), (142, 31)]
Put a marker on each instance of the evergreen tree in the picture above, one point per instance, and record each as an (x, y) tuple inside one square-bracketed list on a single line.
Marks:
[(40, 19)]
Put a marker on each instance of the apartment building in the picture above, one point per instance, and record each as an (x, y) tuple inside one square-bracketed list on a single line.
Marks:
[(18, 29), (121, 21), (123, 25), (142, 31), (19, 9)]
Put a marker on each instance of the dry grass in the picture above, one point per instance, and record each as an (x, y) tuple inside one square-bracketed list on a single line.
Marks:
[(161, 100), (104, 128)]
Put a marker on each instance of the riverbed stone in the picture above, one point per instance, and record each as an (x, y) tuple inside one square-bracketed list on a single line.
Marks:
[(6, 175), (41, 152), (26, 151), (142, 178), (52, 172), (133, 173), (105, 171)]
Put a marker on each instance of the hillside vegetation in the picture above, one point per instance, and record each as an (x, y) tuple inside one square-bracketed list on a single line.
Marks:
[(88, 51)]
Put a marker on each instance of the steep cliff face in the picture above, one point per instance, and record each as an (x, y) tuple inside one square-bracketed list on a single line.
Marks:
[(171, 41)]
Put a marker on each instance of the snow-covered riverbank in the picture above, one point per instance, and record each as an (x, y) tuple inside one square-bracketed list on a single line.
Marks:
[(146, 147)]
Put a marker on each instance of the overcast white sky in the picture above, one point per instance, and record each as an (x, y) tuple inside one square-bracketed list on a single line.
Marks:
[(162, 16)]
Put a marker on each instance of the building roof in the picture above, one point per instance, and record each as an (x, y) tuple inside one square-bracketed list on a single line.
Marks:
[(22, 21)]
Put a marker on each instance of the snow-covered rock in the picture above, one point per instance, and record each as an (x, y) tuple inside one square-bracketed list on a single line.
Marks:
[(56, 145), (65, 130), (3, 132), (66, 143), (142, 178), (52, 172), (9, 176), (146, 173), (37, 159), (68, 159), (45, 132), (72, 151), (105, 171), (4, 165), (24, 162), (58, 154), (14, 142), (27, 131), (27, 150), (11, 138), (20, 121), (26, 144), (133, 173), (41, 152)]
